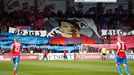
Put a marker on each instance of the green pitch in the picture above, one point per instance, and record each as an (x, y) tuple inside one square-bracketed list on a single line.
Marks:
[(81, 67)]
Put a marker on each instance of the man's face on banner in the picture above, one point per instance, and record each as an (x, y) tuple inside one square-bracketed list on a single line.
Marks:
[(67, 28)]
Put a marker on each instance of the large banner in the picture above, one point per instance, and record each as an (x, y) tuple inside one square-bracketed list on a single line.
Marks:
[(40, 33), (64, 31), (116, 32), (87, 27), (73, 31)]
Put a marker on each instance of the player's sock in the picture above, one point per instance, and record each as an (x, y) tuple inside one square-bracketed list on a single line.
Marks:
[(15, 73), (15, 68), (119, 69), (127, 70)]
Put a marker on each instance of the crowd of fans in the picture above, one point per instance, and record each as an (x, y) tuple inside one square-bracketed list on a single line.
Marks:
[(110, 19)]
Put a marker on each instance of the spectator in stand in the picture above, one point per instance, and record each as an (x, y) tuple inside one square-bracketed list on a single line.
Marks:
[(0, 50), (103, 53), (65, 55), (45, 53), (31, 51), (33, 26), (131, 51), (48, 9)]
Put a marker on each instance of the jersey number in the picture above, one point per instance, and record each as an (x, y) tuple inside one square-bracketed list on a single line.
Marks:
[(17, 48), (122, 46)]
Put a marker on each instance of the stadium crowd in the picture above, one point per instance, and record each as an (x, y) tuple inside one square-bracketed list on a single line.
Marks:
[(110, 19), (104, 19)]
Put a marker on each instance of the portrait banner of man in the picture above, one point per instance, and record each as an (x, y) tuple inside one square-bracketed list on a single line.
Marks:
[(71, 31)]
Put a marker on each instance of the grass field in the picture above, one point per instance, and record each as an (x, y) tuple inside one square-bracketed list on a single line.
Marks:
[(83, 67)]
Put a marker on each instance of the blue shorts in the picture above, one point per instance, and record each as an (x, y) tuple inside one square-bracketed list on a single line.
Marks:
[(120, 60), (16, 59)]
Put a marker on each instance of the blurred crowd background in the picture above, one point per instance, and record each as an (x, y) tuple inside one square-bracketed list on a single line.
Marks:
[(15, 13)]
